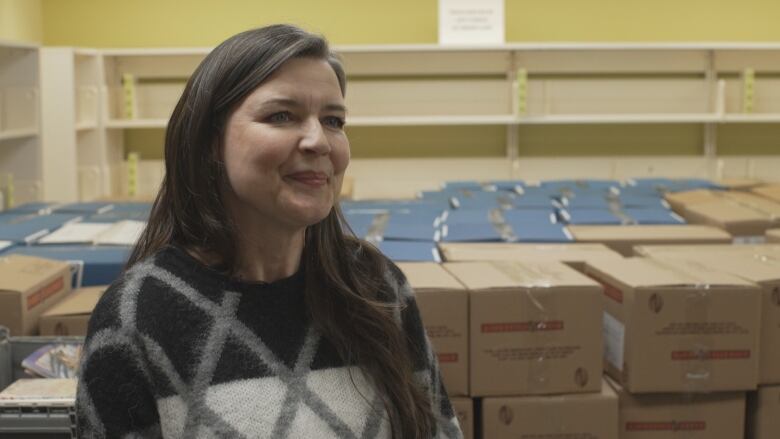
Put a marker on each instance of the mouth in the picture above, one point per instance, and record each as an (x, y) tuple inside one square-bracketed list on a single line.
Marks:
[(309, 178)]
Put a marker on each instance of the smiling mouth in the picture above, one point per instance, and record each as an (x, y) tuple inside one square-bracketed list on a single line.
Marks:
[(310, 179)]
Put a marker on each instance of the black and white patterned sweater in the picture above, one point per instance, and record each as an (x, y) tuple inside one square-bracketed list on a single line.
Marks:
[(177, 350)]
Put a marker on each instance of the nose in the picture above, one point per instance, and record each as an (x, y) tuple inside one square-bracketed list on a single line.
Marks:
[(314, 139)]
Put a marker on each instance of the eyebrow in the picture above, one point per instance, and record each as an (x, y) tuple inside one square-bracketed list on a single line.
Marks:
[(293, 103)]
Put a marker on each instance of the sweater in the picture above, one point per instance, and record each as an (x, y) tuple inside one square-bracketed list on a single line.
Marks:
[(175, 349)]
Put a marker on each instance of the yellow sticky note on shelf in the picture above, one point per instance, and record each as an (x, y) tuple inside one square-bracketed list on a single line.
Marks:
[(132, 174), (9, 191), (522, 91), (748, 90), (128, 91)]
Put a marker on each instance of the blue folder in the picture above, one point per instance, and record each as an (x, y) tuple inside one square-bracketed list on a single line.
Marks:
[(590, 217), (27, 229), (114, 215), (410, 251), (36, 208), (470, 232), (101, 265), (529, 216), (540, 232)]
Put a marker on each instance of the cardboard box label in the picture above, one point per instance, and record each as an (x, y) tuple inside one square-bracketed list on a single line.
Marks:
[(614, 339), (528, 326), (44, 293), (667, 426)]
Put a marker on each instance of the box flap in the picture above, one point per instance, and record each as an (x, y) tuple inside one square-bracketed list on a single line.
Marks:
[(647, 233), (81, 301), (731, 249), (429, 276), (461, 252), (504, 274), (640, 273), (691, 197), (725, 211), (762, 204), (758, 269), (20, 273)]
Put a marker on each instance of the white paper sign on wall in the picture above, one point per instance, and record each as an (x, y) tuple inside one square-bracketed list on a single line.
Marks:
[(471, 22)]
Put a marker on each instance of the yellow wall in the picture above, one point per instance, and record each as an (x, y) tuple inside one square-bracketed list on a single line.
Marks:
[(21, 20), (149, 23)]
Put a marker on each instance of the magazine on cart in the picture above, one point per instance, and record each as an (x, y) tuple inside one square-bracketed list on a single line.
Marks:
[(58, 360)]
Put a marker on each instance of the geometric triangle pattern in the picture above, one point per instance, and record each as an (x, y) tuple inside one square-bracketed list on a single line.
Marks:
[(229, 360)]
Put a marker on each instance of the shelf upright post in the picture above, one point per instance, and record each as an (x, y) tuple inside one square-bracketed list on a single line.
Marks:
[(713, 98), (518, 88)]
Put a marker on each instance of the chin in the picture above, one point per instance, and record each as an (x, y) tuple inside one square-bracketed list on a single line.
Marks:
[(314, 215)]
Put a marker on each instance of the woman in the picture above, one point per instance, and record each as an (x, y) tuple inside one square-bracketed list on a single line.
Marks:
[(245, 311)]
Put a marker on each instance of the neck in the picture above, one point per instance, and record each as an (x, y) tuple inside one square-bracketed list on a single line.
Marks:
[(266, 251), (268, 255)]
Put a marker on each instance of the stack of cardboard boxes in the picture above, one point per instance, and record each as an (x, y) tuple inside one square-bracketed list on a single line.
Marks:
[(681, 346), (742, 214), (36, 297), (521, 339), (683, 332), (759, 265)]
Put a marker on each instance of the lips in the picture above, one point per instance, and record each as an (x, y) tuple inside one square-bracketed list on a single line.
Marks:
[(310, 178)]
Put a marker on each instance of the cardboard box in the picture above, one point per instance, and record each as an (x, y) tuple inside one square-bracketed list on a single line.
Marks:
[(763, 409), (734, 218), (670, 415), (758, 250), (71, 315), (761, 270), (97, 265), (769, 191), (739, 184), (739, 213), (535, 328), (586, 416), (773, 235), (679, 327), (622, 238), (679, 200), (444, 306), (464, 410), (571, 254), (28, 287)]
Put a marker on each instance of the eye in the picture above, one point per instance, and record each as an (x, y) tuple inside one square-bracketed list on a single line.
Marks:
[(334, 122), (280, 117)]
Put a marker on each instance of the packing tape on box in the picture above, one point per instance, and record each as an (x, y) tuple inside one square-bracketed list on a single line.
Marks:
[(539, 319), (695, 354)]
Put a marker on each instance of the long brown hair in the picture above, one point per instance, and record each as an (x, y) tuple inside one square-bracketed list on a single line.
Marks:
[(345, 277)]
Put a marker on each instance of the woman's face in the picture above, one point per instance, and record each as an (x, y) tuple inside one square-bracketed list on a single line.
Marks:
[(285, 150)]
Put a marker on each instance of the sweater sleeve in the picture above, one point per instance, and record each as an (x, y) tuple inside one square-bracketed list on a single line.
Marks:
[(426, 365), (114, 397)]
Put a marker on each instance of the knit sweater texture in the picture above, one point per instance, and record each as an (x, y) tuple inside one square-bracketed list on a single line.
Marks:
[(177, 350)]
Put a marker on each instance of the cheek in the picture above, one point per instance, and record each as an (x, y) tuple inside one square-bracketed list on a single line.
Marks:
[(340, 155)]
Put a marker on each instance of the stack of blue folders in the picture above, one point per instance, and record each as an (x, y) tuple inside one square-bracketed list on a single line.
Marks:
[(27, 224), (403, 230), (664, 185), (497, 225), (616, 206)]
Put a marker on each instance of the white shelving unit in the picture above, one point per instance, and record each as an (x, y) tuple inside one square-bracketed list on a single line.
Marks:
[(511, 87), (20, 154)]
